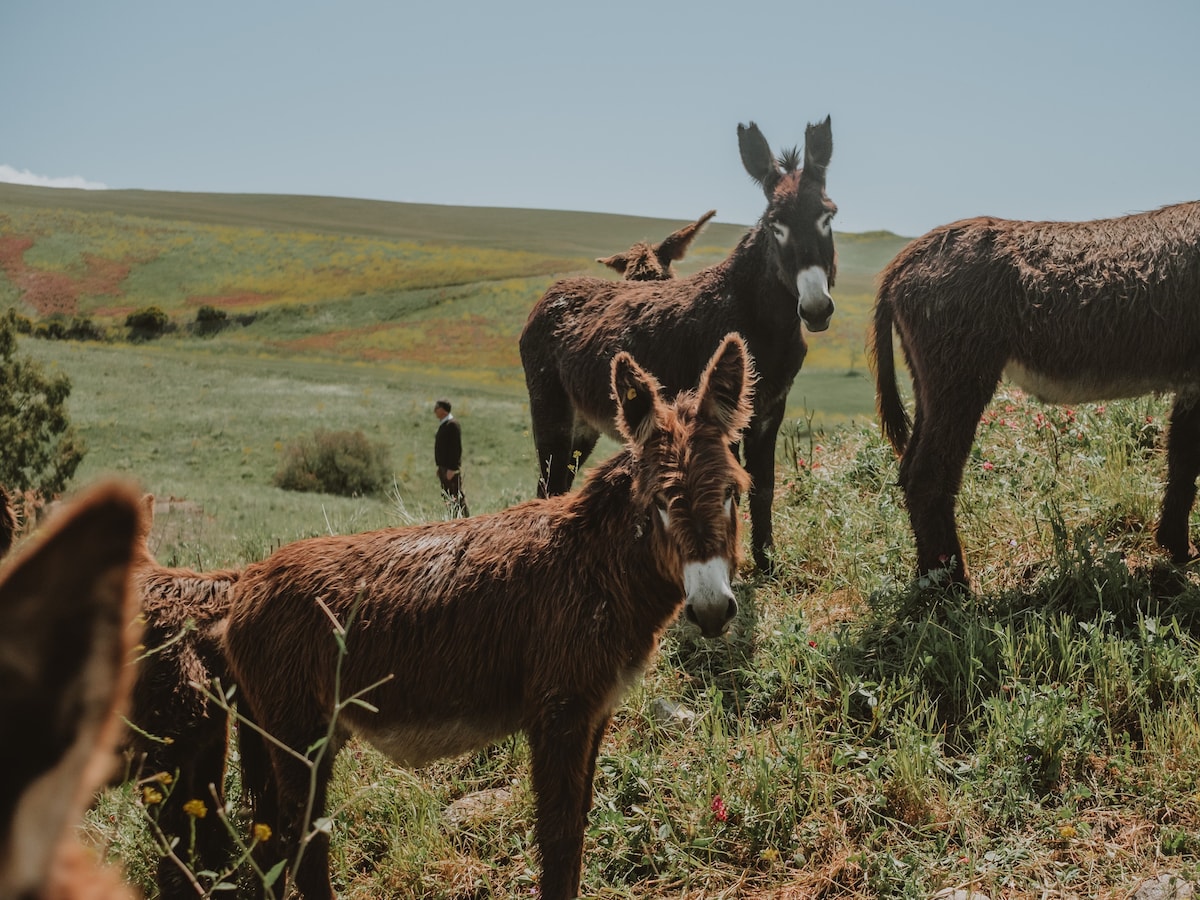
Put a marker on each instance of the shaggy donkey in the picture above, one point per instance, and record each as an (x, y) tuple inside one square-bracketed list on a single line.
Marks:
[(8, 522), (652, 262), (536, 618), (1069, 311), (177, 729), (66, 603), (777, 276)]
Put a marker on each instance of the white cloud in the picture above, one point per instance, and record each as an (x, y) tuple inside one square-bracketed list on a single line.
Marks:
[(24, 176)]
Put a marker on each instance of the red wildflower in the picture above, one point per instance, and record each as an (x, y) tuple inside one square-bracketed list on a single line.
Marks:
[(718, 808)]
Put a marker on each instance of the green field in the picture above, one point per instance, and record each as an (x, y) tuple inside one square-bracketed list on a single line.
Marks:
[(855, 735)]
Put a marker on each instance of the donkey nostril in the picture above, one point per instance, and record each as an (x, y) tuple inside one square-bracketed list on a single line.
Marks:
[(731, 609)]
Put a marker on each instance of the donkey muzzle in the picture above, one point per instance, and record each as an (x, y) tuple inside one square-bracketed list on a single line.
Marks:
[(710, 604), (814, 304)]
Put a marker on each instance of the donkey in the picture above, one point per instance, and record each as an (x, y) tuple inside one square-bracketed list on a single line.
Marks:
[(177, 729), (652, 262), (777, 276), (66, 604), (1069, 311), (532, 619)]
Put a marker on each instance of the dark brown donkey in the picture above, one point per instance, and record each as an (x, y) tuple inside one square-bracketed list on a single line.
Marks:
[(177, 728), (66, 605), (536, 618), (776, 277), (1071, 312), (652, 262)]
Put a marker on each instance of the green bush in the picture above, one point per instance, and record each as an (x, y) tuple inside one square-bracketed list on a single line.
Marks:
[(335, 462), (40, 447), (148, 322)]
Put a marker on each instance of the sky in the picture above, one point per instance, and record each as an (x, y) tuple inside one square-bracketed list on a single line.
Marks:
[(1031, 109)]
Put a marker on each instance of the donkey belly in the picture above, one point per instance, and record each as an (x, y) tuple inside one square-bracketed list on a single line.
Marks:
[(416, 745), (1085, 387)]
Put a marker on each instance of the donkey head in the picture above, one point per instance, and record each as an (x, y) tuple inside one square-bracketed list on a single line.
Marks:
[(66, 606), (686, 477), (646, 262), (799, 216)]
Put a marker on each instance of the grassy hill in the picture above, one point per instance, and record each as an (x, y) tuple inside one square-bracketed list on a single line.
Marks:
[(409, 287)]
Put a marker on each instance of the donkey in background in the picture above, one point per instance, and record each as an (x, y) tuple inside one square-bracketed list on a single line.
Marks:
[(177, 729), (652, 262), (536, 618), (66, 603), (1069, 311), (777, 277)]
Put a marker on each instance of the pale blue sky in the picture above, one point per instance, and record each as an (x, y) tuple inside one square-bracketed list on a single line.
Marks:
[(941, 110)]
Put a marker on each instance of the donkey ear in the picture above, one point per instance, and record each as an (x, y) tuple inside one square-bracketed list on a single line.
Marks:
[(638, 403), (618, 262), (673, 247), (818, 150), (65, 604), (757, 157), (727, 386)]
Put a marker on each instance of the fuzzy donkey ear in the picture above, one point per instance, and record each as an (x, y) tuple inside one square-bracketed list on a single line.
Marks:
[(757, 157), (637, 393), (66, 605), (673, 247), (818, 150), (619, 262), (727, 386)]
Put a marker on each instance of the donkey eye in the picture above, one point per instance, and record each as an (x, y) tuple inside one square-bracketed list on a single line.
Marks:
[(730, 493), (781, 232), (661, 503), (825, 223)]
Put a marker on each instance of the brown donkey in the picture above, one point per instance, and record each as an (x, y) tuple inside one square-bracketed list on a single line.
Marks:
[(652, 262), (1071, 312), (776, 277), (66, 604), (533, 619), (177, 729)]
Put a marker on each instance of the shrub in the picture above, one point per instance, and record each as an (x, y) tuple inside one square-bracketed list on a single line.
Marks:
[(210, 319), (41, 448), (148, 322), (334, 462)]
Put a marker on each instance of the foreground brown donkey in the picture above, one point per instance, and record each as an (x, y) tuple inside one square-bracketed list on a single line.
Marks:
[(652, 262), (535, 619), (66, 605), (1071, 312), (177, 729), (776, 277)]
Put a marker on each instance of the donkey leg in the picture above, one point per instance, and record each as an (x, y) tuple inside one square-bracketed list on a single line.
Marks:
[(931, 473), (758, 443), (583, 442), (1183, 465), (553, 421), (564, 745)]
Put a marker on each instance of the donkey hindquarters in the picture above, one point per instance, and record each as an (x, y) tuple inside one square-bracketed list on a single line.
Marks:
[(776, 279), (533, 619), (1071, 312)]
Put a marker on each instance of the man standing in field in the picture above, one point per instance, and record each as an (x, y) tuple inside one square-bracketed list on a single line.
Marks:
[(447, 454)]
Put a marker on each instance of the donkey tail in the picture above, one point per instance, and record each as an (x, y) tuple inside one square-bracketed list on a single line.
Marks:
[(892, 414)]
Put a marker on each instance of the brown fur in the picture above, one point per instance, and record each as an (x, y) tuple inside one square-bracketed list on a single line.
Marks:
[(579, 324), (1072, 311), (8, 522), (535, 618), (178, 730), (66, 603), (652, 262)]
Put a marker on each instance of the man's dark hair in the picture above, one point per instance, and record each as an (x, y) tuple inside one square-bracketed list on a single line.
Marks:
[(444, 404)]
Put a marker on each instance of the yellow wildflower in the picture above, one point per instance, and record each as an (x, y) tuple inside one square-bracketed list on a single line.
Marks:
[(262, 831), (151, 796), (196, 809), (1066, 832)]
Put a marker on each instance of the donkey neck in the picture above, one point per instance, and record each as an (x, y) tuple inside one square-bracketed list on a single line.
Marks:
[(750, 276)]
